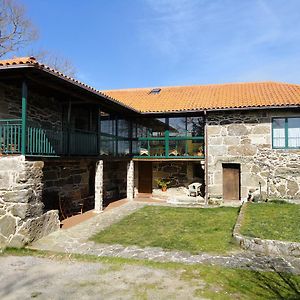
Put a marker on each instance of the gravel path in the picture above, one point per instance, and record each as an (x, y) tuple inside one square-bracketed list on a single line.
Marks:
[(31, 277), (75, 240)]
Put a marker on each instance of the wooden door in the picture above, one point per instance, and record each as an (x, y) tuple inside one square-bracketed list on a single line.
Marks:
[(145, 177), (231, 181)]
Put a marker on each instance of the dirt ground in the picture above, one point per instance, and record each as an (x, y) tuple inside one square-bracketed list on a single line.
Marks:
[(26, 277)]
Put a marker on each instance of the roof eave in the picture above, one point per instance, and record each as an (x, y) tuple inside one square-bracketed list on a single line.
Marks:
[(69, 80), (221, 109)]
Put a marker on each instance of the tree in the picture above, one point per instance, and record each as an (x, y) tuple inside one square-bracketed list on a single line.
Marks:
[(16, 30), (55, 61)]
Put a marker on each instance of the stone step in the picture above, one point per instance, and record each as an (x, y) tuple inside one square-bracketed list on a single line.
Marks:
[(191, 201)]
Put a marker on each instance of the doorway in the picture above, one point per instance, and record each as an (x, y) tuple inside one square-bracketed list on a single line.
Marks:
[(145, 177), (231, 181)]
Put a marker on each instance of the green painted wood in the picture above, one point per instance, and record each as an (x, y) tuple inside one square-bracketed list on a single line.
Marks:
[(10, 135), (170, 157)]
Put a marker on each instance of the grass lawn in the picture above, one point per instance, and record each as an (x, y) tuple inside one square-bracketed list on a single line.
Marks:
[(185, 229), (210, 282), (273, 221)]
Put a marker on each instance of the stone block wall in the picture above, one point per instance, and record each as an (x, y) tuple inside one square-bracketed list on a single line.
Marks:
[(182, 173), (114, 180), (22, 217), (69, 185), (245, 138), (45, 111)]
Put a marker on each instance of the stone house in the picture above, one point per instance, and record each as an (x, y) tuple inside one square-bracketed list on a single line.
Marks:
[(66, 147)]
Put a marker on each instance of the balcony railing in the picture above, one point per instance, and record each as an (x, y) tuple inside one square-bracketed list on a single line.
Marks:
[(46, 142), (10, 136)]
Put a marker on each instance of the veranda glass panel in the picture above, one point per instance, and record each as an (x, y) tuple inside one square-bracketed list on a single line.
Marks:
[(108, 124), (293, 132), (195, 126), (177, 126), (177, 148), (123, 148), (143, 148), (278, 133), (107, 146), (123, 128), (157, 127), (195, 148), (135, 148), (157, 148)]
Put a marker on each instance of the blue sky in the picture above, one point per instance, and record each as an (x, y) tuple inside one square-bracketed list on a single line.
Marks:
[(140, 43)]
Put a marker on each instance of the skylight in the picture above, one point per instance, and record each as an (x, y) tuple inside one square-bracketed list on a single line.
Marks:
[(155, 91)]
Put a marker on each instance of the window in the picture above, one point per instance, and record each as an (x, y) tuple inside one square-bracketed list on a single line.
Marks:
[(286, 133), (155, 91)]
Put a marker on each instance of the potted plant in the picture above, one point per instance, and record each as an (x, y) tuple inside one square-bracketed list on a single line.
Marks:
[(200, 151), (162, 183)]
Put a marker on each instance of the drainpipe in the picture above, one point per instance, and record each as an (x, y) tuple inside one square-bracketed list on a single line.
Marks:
[(206, 157), (24, 118)]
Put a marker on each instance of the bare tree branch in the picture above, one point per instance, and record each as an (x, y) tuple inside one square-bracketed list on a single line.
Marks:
[(55, 61), (16, 31)]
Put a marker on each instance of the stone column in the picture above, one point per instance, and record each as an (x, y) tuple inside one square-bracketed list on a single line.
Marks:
[(99, 186), (130, 180)]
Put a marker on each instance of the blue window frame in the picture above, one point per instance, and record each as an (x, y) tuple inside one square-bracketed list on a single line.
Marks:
[(286, 133)]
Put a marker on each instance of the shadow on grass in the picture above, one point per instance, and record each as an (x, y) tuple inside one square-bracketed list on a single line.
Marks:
[(267, 285)]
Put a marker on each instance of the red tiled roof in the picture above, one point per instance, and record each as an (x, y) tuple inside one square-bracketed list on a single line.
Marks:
[(187, 98), (213, 96)]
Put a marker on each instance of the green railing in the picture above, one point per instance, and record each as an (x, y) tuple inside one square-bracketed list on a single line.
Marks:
[(10, 136), (171, 147), (45, 142), (83, 142)]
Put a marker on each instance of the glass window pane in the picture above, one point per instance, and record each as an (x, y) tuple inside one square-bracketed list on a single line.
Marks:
[(108, 124), (294, 132), (177, 126), (143, 148), (107, 145), (123, 148), (135, 148), (157, 148), (142, 131), (151, 127), (177, 148), (157, 127), (195, 148), (195, 126), (123, 128), (279, 133)]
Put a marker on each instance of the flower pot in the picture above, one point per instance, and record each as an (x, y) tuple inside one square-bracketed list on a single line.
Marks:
[(164, 188)]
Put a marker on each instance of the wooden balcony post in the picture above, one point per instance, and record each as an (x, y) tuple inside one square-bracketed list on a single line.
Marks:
[(24, 118)]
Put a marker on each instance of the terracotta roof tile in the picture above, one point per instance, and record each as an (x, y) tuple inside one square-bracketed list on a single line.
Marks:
[(214, 96)]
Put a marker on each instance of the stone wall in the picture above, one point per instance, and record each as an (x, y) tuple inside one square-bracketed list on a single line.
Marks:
[(245, 138), (22, 217), (114, 181), (180, 173), (69, 185), (46, 111)]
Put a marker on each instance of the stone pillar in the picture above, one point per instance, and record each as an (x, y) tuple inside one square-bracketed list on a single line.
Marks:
[(99, 186), (130, 180)]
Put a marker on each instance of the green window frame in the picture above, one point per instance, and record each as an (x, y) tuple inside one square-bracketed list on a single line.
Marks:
[(185, 140), (286, 132)]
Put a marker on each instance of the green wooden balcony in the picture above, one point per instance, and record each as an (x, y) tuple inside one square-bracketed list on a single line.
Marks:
[(45, 142)]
